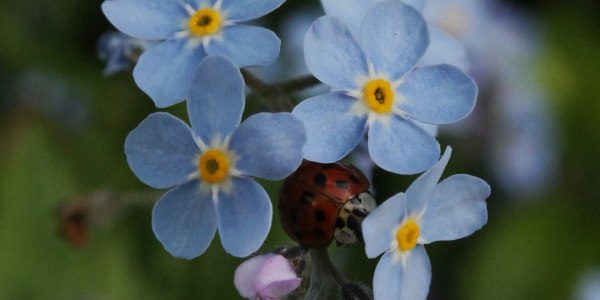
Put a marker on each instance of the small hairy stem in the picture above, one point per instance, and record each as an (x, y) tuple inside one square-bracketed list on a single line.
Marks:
[(275, 98), (323, 276)]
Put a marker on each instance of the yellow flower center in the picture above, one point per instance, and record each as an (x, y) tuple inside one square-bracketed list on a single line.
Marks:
[(214, 166), (407, 235), (378, 95), (205, 21)]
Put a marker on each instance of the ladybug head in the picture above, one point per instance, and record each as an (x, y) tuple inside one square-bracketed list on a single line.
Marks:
[(348, 224)]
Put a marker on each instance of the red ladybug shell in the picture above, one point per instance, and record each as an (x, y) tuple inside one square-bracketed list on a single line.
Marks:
[(312, 197)]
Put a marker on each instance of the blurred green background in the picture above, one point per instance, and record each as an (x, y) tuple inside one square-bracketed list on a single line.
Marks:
[(62, 127)]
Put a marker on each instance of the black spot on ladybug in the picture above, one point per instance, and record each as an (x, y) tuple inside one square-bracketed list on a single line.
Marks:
[(341, 184), (307, 198), (359, 213), (319, 231), (319, 215), (320, 180), (328, 166), (352, 224), (294, 215), (299, 236), (339, 223)]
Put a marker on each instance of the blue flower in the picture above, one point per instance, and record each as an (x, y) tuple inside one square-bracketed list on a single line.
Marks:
[(210, 165), (374, 90), (428, 212), (192, 29), (443, 47), (523, 143), (120, 51)]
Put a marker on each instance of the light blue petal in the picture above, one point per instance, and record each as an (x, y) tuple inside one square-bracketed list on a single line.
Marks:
[(419, 192), (378, 227), (456, 208), (184, 220), (243, 10), (402, 146), (439, 94), (430, 128), (164, 72), (161, 151), (244, 217), (246, 45), (445, 49), (268, 145), (351, 12), (394, 37), (332, 54), (216, 99), (392, 281), (332, 129), (146, 19), (417, 4)]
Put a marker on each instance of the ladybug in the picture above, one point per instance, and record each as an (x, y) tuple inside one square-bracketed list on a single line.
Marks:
[(322, 202)]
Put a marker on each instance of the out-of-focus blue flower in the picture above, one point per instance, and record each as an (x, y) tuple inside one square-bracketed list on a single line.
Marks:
[(428, 212), (588, 287), (120, 51), (518, 128), (268, 277), (290, 64), (523, 150), (191, 30), (210, 165), (375, 89), (63, 101), (443, 47), (525, 154)]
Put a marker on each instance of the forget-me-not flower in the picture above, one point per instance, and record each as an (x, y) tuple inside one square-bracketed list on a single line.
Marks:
[(443, 47), (523, 142), (120, 51), (210, 165), (191, 30), (375, 89), (428, 212)]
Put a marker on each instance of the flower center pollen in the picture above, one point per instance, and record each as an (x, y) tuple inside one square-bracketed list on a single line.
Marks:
[(407, 235), (378, 95), (214, 166), (205, 21)]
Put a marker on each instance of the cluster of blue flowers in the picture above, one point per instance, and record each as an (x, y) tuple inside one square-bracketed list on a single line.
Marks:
[(380, 85)]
